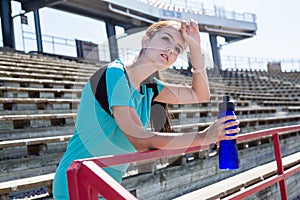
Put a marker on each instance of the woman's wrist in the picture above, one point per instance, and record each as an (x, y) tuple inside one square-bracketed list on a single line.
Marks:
[(198, 69), (201, 138)]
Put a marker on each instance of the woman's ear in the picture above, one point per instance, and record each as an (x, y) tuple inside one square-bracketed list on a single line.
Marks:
[(145, 40)]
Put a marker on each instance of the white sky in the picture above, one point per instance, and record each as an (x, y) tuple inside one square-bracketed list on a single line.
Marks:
[(277, 36), (278, 29)]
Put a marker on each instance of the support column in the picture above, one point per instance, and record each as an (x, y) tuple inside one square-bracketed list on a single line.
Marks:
[(215, 51), (39, 41), (112, 41), (7, 24)]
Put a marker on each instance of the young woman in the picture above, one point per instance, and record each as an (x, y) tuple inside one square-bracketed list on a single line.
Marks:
[(115, 106)]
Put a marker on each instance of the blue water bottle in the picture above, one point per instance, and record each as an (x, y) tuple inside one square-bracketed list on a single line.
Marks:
[(228, 153)]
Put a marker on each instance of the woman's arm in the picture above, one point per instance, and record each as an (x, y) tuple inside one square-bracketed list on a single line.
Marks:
[(199, 91), (128, 120)]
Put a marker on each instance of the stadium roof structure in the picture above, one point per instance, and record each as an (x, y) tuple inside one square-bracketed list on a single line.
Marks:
[(138, 13), (232, 25)]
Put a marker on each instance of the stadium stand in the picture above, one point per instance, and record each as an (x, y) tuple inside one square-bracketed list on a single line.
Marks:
[(38, 103), (173, 7), (15, 92), (238, 182), (39, 96)]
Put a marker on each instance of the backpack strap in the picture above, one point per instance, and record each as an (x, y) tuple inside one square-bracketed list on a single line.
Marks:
[(153, 86)]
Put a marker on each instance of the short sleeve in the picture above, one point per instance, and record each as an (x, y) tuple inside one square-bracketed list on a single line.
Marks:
[(160, 84), (118, 88)]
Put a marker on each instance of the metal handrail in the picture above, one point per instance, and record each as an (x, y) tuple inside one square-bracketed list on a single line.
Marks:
[(86, 178)]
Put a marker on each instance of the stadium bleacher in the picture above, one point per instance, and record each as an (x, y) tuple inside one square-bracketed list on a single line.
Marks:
[(39, 96), (38, 103), (238, 182)]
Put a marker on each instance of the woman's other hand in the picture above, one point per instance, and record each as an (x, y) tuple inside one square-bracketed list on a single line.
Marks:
[(218, 129)]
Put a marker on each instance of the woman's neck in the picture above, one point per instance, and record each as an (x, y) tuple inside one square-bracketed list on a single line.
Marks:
[(138, 71)]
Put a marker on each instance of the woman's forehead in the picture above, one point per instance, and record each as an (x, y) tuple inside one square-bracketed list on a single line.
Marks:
[(171, 29), (175, 33)]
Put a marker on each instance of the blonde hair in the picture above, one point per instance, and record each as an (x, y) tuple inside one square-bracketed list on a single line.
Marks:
[(156, 27)]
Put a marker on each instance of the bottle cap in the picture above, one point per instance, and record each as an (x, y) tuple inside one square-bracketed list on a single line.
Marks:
[(226, 104)]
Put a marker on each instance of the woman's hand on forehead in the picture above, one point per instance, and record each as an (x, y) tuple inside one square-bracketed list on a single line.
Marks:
[(190, 32)]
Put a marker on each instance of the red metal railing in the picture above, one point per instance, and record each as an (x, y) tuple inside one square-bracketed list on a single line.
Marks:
[(87, 179)]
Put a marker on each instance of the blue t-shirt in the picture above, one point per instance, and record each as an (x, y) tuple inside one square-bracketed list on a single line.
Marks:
[(96, 132)]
